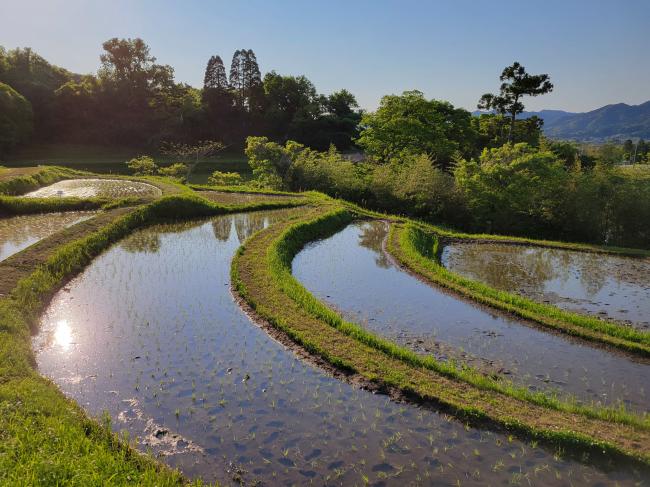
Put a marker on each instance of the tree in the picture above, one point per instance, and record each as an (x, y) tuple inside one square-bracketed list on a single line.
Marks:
[(516, 83), (514, 189), (245, 79), (16, 121), (215, 74), (190, 154), (411, 124), (142, 166)]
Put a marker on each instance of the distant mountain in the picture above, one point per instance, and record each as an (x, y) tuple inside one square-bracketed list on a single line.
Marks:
[(619, 121)]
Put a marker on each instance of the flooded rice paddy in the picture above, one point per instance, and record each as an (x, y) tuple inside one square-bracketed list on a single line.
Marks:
[(351, 272), (89, 188), (151, 334), (19, 232), (607, 286)]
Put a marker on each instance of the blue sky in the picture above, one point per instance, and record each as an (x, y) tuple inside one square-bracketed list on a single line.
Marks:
[(595, 51)]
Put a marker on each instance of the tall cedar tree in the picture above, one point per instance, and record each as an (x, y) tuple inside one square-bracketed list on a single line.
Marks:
[(215, 74), (245, 77), (516, 83)]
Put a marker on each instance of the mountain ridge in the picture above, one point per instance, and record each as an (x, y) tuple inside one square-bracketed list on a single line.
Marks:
[(609, 122)]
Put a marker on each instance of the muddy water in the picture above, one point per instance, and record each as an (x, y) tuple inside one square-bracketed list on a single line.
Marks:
[(19, 232), (607, 286), (150, 333), (88, 188), (351, 272)]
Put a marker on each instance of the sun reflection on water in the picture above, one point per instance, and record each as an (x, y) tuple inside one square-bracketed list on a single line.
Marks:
[(63, 335)]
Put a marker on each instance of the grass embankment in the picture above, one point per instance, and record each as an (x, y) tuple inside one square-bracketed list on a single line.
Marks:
[(20, 181), (418, 250), (46, 439), (10, 205), (261, 275)]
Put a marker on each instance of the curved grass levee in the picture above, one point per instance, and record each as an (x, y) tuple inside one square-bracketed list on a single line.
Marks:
[(261, 275), (47, 438), (43, 176), (417, 249), (11, 205)]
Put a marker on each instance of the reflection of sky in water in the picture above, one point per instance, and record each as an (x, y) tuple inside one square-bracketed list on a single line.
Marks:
[(347, 271), (156, 339), (88, 188), (604, 285), (19, 232)]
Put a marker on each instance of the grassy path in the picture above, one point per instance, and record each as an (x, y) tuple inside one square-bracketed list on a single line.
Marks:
[(277, 298)]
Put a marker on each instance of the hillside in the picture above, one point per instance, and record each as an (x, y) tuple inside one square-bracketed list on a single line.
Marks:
[(618, 121)]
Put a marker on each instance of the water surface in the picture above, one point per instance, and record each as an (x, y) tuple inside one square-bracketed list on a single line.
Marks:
[(89, 188), (351, 272), (151, 334), (607, 286), (19, 232)]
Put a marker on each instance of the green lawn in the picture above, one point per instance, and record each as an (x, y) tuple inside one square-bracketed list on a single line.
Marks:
[(110, 160)]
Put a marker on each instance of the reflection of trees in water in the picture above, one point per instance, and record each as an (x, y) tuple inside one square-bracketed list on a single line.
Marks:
[(221, 228), (505, 267), (21, 228), (249, 223), (372, 237), (146, 241), (514, 268)]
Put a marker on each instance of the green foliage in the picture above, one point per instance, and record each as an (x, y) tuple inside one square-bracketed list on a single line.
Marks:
[(513, 189), (493, 130), (219, 178), (16, 122), (268, 160), (142, 166), (516, 83), (178, 170), (411, 124)]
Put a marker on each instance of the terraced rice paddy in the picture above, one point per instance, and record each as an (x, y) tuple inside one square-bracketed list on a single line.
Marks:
[(151, 334), (608, 286), (230, 198), (89, 188), (19, 232), (351, 272)]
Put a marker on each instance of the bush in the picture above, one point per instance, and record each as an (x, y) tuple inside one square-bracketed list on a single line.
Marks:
[(219, 178), (178, 170), (142, 166)]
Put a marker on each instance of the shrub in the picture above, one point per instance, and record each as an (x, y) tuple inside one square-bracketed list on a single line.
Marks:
[(178, 170), (219, 178), (142, 166)]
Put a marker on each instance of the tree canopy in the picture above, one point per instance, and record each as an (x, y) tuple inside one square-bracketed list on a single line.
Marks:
[(516, 83)]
